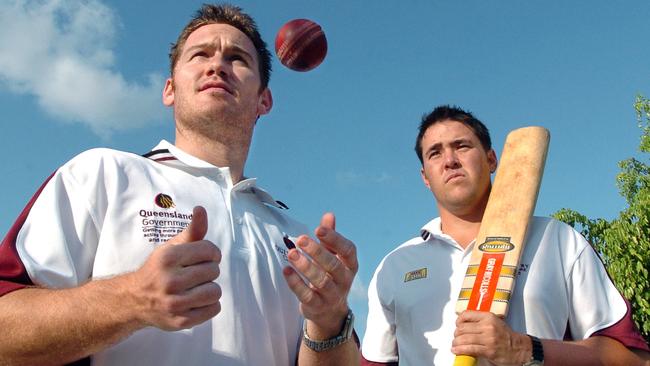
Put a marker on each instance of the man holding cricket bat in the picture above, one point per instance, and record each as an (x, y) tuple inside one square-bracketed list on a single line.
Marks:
[(564, 309)]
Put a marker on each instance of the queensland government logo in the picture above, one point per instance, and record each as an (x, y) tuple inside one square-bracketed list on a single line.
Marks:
[(164, 201), (496, 244), (158, 226)]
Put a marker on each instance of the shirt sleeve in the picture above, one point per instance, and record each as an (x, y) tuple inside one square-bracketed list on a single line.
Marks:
[(379, 341), (53, 242), (13, 275), (595, 302)]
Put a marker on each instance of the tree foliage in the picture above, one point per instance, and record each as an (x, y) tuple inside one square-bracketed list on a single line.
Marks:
[(624, 242)]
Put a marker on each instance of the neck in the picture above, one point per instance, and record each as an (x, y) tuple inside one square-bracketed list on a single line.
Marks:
[(221, 152), (462, 227)]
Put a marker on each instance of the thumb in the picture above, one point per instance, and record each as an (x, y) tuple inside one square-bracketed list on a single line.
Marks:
[(196, 230)]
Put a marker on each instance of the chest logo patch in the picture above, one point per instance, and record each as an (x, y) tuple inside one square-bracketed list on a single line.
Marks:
[(158, 226), (164, 201), (418, 274)]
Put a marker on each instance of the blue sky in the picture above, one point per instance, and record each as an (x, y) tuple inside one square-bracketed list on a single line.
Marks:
[(81, 74)]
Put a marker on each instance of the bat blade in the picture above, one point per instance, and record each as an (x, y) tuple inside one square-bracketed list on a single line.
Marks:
[(490, 276)]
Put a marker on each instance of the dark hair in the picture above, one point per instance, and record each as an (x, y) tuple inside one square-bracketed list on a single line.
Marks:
[(231, 15), (444, 113)]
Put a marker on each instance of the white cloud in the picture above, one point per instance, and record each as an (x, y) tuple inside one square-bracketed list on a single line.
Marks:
[(355, 178), (349, 178), (60, 52)]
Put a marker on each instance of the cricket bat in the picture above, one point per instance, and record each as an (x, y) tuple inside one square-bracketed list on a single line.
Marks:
[(490, 277)]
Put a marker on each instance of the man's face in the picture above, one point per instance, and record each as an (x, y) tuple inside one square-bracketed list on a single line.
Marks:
[(216, 80), (456, 168)]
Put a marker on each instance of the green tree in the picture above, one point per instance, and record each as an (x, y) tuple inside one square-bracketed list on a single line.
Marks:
[(624, 242)]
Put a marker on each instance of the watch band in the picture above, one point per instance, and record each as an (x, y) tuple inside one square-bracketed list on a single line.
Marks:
[(344, 335), (538, 352)]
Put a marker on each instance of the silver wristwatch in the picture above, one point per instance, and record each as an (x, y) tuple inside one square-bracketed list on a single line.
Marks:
[(342, 337), (537, 358)]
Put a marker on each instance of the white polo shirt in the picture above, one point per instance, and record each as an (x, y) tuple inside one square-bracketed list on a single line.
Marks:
[(412, 296), (104, 212)]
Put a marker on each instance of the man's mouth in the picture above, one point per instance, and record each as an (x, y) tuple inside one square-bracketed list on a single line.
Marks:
[(453, 176), (215, 86)]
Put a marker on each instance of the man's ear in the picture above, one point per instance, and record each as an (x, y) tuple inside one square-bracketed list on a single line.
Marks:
[(265, 102), (168, 93), (492, 160), (424, 178)]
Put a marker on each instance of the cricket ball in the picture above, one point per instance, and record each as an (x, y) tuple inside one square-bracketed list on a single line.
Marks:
[(301, 45)]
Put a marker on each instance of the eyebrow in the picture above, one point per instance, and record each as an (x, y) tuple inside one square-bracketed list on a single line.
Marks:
[(232, 47), (456, 142)]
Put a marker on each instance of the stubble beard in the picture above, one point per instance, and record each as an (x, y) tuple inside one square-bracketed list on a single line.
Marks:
[(223, 124), (469, 203)]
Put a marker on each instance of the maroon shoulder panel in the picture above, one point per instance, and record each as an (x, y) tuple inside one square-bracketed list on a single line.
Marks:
[(13, 275), (365, 362), (625, 331)]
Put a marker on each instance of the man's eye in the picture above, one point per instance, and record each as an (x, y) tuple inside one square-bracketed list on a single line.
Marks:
[(237, 57), (200, 54)]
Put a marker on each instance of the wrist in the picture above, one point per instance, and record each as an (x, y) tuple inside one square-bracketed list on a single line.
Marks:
[(327, 326), (318, 343), (132, 308), (536, 352)]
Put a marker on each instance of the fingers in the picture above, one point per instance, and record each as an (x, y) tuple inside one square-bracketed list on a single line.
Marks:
[(483, 334), (324, 309), (200, 296), (321, 276), (186, 278), (323, 267), (337, 243), (187, 254), (303, 292), (470, 322), (196, 230), (472, 316), (329, 267), (467, 336), (199, 315), (176, 284), (193, 307), (328, 221), (320, 283)]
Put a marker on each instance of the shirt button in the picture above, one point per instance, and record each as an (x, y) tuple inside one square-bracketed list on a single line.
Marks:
[(240, 221)]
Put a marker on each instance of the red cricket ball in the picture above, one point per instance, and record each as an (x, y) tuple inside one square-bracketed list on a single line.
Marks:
[(301, 45)]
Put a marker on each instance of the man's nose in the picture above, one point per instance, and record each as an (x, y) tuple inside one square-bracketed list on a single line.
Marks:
[(217, 66), (451, 159)]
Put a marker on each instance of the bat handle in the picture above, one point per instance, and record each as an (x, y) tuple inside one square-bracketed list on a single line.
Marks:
[(463, 360)]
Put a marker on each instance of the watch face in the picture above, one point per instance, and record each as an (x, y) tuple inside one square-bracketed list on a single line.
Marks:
[(349, 325), (342, 337)]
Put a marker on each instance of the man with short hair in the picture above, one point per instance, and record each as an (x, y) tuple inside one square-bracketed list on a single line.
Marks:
[(175, 257), (564, 310)]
